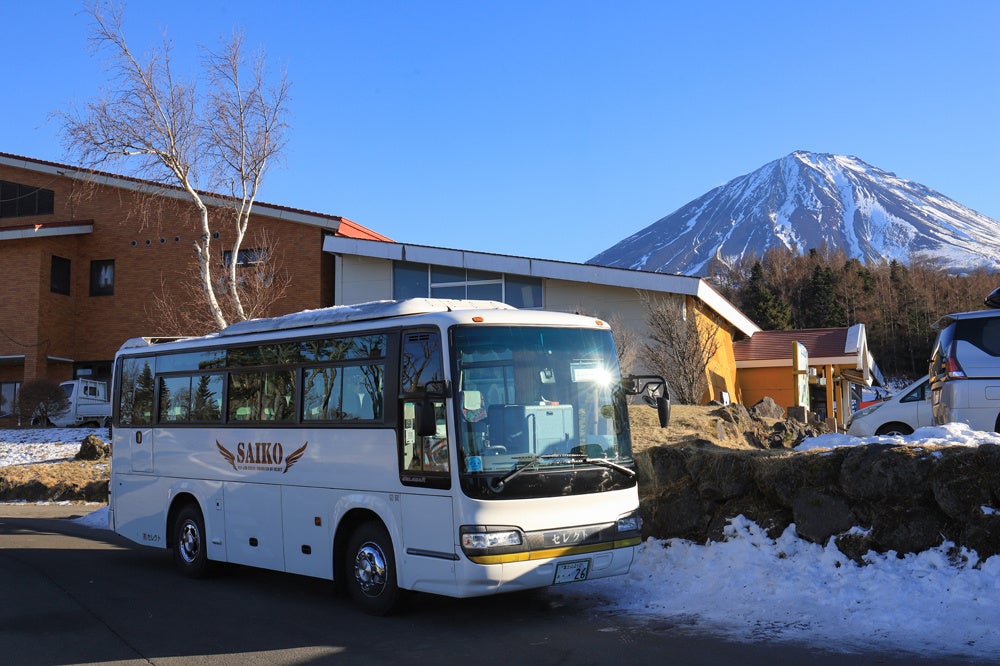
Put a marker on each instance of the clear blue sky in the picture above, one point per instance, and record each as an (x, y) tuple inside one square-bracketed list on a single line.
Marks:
[(555, 129)]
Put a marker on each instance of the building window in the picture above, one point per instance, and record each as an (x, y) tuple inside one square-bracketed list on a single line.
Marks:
[(60, 275), (523, 292), (410, 280), (18, 200), (413, 280), (245, 258), (102, 277), (8, 393)]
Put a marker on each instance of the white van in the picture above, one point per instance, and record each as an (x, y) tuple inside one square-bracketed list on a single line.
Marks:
[(965, 369), (900, 414)]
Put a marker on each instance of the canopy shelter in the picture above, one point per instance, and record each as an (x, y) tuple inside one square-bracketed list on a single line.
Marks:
[(838, 360)]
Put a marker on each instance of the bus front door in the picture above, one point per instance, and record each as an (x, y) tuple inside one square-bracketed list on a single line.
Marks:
[(142, 450)]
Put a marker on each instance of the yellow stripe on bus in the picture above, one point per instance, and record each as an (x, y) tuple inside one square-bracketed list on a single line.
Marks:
[(550, 553)]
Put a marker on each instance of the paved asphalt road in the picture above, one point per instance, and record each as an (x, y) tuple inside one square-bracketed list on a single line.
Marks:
[(75, 595)]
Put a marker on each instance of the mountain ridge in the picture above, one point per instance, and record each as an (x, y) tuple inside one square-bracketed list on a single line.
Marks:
[(804, 201)]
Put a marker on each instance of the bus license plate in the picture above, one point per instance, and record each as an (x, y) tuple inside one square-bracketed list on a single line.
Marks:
[(570, 572)]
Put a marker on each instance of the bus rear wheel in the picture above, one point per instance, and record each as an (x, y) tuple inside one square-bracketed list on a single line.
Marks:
[(190, 554), (370, 571)]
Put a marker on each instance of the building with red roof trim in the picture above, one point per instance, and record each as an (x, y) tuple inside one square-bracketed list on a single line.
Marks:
[(838, 360), (88, 254)]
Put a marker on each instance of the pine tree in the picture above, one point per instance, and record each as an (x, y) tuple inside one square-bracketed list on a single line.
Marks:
[(822, 309), (761, 304)]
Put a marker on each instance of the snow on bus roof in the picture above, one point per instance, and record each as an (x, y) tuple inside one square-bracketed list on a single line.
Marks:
[(339, 314)]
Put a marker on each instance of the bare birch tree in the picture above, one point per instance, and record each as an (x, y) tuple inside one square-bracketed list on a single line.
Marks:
[(679, 348), (157, 125)]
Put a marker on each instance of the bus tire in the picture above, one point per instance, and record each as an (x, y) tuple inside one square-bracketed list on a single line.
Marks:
[(190, 544), (370, 571)]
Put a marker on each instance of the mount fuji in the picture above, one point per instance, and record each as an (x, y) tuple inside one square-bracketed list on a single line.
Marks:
[(803, 201)]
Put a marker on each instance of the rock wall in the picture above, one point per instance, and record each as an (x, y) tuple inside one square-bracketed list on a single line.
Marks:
[(904, 499)]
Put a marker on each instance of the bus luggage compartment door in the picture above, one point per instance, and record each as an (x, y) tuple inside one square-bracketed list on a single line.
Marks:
[(429, 549)]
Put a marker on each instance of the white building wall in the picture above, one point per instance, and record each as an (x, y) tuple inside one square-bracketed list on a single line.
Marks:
[(624, 305), (361, 279)]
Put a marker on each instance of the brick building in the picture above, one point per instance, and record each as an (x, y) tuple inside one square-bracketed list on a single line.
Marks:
[(86, 255)]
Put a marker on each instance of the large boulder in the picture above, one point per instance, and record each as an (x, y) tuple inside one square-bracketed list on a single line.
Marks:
[(93, 448), (767, 408)]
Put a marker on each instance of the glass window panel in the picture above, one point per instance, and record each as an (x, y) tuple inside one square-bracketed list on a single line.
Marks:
[(362, 393), (476, 276), (448, 292), (409, 280), (420, 362), (8, 199), (321, 388), (441, 274), (280, 354), (244, 356), (523, 292), (8, 390), (279, 396), (175, 399), (102, 277), (206, 401), (204, 360), (367, 346), (425, 454), (244, 396), (60, 275), (486, 292), (136, 402)]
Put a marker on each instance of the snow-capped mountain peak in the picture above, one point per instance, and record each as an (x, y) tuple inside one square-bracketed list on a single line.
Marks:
[(806, 200)]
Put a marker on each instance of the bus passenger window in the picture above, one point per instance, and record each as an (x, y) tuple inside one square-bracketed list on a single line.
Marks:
[(136, 402), (362, 396), (244, 396), (279, 396)]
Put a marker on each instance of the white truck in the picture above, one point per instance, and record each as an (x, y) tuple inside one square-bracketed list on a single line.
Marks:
[(89, 404)]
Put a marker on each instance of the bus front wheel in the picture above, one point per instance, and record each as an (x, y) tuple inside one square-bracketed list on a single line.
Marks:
[(190, 554), (370, 575)]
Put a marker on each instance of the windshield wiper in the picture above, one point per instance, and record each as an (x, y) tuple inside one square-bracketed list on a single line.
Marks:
[(529, 461), (498, 484), (603, 462)]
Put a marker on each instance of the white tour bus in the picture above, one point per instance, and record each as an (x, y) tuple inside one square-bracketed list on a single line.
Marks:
[(456, 447)]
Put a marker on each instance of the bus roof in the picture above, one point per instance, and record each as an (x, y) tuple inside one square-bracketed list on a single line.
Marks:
[(341, 314), (337, 314)]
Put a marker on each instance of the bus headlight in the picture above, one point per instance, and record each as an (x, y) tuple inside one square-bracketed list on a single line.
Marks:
[(630, 522), (483, 538)]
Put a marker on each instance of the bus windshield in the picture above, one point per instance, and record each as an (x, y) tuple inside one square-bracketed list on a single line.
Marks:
[(538, 396)]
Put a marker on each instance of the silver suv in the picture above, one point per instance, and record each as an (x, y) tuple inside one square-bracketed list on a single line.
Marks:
[(965, 369)]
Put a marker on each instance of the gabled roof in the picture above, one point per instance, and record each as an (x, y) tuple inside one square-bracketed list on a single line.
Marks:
[(846, 346), (333, 223), (825, 343), (546, 268)]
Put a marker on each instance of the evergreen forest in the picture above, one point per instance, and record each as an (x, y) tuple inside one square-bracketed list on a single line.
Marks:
[(897, 303)]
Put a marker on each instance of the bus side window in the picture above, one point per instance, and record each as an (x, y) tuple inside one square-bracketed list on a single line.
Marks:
[(135, 407), (425, 454)]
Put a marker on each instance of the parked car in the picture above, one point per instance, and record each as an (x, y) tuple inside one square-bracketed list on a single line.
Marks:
[(899, 414), (965, 369)]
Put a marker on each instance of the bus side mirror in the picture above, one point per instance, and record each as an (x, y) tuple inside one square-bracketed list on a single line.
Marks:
[(425, 419), (662, 406), (663, 410), (654, 392)]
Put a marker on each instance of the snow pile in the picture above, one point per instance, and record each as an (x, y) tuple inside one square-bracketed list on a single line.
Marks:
[(949, 434), (755, 588), (43, 445)]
